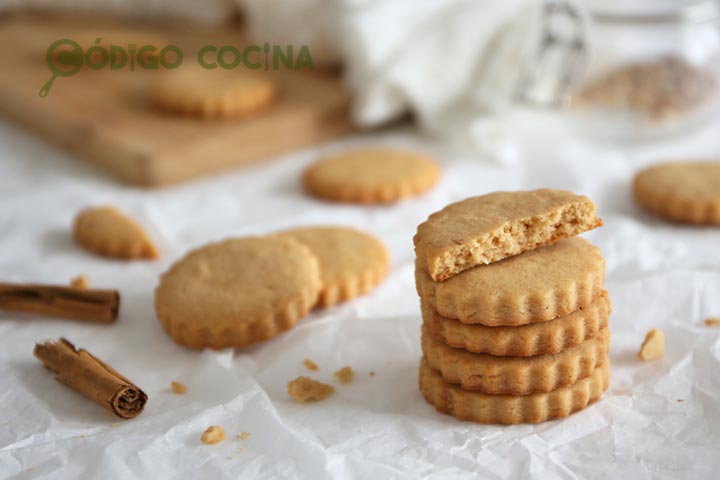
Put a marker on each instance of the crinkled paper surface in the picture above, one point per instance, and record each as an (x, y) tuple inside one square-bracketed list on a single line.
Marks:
[(659, 419)]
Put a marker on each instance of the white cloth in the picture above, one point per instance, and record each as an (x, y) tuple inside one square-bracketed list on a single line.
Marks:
[(659, 419)]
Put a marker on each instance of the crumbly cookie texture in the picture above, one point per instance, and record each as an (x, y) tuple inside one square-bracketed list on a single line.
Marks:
[(109, 232), (511, 409), (214, 434), (178, 388), (345, 375), (305, 389), (237, 292), (488, 228), (653, 347), (515, 375), (214, 93), (536, 286), (541, 338), (681, 192), (351, 262), (371, 175)]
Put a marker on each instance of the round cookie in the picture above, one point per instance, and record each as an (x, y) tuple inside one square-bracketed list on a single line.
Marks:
[(371, 175), (511, 409), (681, 192), (536, 286), (237, 292), (540, 338), (214, 93), (351, 262), (515, 375)]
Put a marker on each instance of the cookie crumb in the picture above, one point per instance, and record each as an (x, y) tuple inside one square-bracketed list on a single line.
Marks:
[(712, 322), (680, 400), (80, 282), (242, 436), (214, 434), (345, 375), (654, 345), (178, 388), (304, 389), (372, 373), (310, 365)]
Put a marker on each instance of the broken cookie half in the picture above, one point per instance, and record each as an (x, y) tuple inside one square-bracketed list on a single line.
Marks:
[(488, 228), (108, 232)]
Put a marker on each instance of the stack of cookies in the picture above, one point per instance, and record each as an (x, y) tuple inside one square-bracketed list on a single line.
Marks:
[(515, 315)]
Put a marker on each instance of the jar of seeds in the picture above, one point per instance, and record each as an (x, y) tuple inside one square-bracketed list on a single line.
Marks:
[(652, 70)]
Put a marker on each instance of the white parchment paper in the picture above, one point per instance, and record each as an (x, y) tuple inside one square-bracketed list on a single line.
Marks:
[(658, 420)]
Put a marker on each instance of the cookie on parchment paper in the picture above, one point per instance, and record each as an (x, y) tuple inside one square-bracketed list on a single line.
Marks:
[(108, 232), (237, 292), (488, 228), (539, 338), (537, 286), (681, 192), (496, 375), (351, 262), (371, 175), (511, 409), (216, 93)]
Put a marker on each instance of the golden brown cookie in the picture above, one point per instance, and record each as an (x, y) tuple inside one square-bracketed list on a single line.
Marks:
[(511, 409), (371, 175), (540, 338), (489, 228), (535, 286), (681, 192), (216, 93), (237, 292), (108, 232), (351, 262), (515, 375)]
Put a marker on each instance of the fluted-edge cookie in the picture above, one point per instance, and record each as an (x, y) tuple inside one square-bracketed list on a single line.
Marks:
[(681, 192), (371, 175), (237, 292), (535, 286), (351, 262), (511, 409), (216, 93), (488, 228), (540, 338), (109, 232), (496, 375)]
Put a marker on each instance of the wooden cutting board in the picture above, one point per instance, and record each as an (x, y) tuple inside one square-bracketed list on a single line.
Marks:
[(103, 117)]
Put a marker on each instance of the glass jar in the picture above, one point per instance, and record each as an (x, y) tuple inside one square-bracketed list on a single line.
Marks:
[(653, 69)]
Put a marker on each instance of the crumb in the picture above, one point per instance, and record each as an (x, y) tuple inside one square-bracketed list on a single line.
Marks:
[(242, 436), (214, 434), (310, 365), (372, 373), (345, 375), (680, 400), (304, 389), (712, 322), (654, 345), (178, 388), (115, 425), (80, 282)]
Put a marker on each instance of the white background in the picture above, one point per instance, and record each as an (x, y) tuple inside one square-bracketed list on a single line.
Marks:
[(658, 420)]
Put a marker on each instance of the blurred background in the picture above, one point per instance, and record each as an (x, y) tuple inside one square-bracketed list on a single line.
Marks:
[(488, 76)]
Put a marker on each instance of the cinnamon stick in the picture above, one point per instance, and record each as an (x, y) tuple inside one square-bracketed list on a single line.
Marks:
[(99, 306), (92, 377)]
